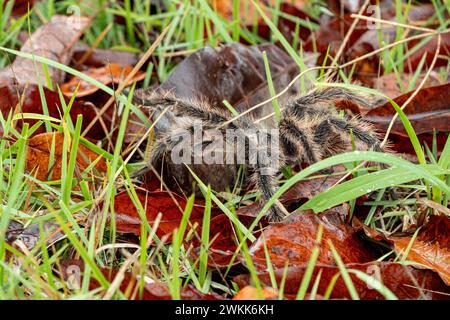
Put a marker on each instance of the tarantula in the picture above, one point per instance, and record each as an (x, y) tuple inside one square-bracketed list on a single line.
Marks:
[(309, 130)]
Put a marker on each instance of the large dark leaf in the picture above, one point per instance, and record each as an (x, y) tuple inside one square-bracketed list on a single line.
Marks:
[(428, 111), (235, 73)]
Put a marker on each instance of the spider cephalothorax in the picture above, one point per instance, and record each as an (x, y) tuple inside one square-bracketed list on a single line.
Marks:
[(309, 130)]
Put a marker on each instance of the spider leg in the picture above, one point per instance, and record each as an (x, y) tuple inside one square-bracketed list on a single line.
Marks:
[(265, 170), (306, 104), (361, 132), (266, 183), (196, 109)]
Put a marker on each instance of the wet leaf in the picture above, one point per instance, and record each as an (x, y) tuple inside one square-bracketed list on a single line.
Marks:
[(21, 7), (223, 240), (297, 195), (38, 156), (332, 32), (389, 84), (404, 281), (429, 49), (30, 235)]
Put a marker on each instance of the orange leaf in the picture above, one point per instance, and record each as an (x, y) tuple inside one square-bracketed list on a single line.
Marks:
[(38, 156), (431, 247), (251, 293), (111, 73)]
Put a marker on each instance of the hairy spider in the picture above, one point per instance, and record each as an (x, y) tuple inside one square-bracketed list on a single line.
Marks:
[(309, 130)]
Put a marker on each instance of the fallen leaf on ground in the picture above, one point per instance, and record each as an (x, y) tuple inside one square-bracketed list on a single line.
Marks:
[(404, 281), (54, 40), (298, 194), (431, 248), (96, 58), (389, 85), (292, 240), (72, 272), (111, 73), (38, 156), (21, 7), (429, 50), (169, 204), (30, 102), (223, 240), (428, 111), (30, 235)]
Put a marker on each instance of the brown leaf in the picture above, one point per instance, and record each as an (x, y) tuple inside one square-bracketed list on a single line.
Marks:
[(296, 195), (222, 244), (30, 102), (111, 73), (127, 218), (286, 26), (429, 50), (389, 86), (30, 235), (431, 248), (225, 8), (235, 73), (38, 156), (332, 32), (54, 40), (21, 7), (428, 111), (404, 281), (339, 6), (223, 240), (292, 240), (97, 58)]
